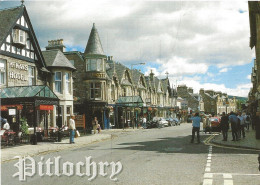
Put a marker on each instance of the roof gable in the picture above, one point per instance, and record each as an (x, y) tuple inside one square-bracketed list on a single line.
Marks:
[(55, 58), (18, 18)]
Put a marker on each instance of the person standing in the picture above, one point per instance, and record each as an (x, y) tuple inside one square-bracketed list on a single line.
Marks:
[(248, 120), (224, 126), (233, 120), (242, 124), (72, 128), (95, 124), (144, 122), (196, 127), (6, 125)]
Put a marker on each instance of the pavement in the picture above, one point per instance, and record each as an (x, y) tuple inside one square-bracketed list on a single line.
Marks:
[(249, 142), (8, 153)]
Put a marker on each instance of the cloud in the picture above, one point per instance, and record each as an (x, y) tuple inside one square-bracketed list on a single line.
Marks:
[(224, 70), (248, 77)]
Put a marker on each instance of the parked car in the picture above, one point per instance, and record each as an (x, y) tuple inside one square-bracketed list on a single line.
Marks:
[(215, 124), (163, 123), (170, 121)]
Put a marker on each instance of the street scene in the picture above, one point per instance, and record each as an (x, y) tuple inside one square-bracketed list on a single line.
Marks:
[(134, 92)]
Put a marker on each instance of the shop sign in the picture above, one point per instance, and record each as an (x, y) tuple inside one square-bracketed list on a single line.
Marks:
[(12, 112), (80, 121), (45, 107), (5, 107), (17, 75)]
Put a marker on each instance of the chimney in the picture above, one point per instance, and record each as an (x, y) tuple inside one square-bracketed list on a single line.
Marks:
[(56, 44), (201, 91), (151, 75), (190, 90)]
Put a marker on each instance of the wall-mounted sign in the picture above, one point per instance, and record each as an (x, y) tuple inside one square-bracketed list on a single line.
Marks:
[(96, 75), (19, 66), (12, 112)]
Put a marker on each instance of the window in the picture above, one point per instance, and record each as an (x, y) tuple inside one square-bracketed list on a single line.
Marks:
[(94, 65), (124, 91), (2, 72), (67, 83), (31, 75), (95, 91), (19, 36), (58, 78)]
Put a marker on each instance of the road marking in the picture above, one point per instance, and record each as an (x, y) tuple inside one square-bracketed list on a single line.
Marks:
[(227, 176), (228, 182), (208, 175), (207, 169), (208, 161), (208, 164), (207, 182), (210, 155), (209, 158)]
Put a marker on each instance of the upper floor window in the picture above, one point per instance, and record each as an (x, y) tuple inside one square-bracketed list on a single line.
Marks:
[(58, 79), (31, 75), (94, 65), (67, 83), (95, 91), (2, 72), (19, 36)]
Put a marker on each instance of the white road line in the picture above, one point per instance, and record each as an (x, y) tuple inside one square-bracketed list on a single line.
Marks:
[(208, 161), (209, 158), (228, 182), (227, 176), (210, 155), (207, 169), (208, 164), (207, 182), (208, 175)]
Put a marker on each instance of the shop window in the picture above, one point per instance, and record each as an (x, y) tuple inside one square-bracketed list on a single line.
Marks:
[(95, 91), (31, 75), (58, 77), (67, 83), (2, 72)]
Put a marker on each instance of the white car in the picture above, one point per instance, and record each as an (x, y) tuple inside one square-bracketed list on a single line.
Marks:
[(163, 123)]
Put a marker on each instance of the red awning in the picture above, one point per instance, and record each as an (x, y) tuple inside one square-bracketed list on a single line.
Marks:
[(45, 107), (5, 107)]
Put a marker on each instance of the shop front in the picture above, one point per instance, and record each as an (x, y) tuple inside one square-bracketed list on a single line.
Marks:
[(32, 104)]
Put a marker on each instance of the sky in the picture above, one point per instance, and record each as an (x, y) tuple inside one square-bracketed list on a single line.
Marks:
[(203, 44)]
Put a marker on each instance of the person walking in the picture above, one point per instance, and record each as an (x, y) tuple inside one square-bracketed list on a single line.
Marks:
[(72, 128), (95, 124), (224, 125), (144, 122), (233, 120), (196, 127), (247, 121), (242, 119)]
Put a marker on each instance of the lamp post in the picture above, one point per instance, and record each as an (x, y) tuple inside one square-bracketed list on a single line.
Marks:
[(133, 83)]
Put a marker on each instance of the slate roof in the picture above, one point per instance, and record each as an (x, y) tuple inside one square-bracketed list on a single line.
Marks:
[(8, 18), (94, 46), (55, 58)]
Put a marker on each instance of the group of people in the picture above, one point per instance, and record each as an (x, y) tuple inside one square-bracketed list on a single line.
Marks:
[(239, 122)]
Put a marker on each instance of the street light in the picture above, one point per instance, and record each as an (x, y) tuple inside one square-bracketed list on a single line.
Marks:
[(132, 81)]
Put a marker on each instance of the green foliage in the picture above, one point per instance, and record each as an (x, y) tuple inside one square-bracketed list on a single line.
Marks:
[(24, 126)]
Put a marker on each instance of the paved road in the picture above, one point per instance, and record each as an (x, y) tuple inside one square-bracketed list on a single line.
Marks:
[(156, 156)]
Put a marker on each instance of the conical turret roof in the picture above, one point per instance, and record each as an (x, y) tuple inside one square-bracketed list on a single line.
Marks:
[(94, 46)]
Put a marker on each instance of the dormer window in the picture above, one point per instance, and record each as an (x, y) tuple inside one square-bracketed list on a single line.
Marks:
[(19, 36)]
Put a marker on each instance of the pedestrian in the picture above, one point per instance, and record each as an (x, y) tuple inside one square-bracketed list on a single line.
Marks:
[(196, 127), (224, 125), (233, 120), (208, 123), (95, 124), (72, 128), (204, 120), (248, 121), (242, 124), (122, 121), (144, 122), (133, 122), (6, 125)]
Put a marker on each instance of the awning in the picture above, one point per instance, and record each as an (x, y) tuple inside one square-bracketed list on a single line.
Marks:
[(130, 101), (37, 94)]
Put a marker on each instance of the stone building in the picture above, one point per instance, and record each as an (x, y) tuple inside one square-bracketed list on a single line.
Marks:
[(217, 102), (61, 81), (112, 92), (195, 101), (254, 94), (24, 73)]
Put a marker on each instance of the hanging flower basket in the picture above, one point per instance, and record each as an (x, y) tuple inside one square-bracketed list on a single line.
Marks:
[(138, 110), (150, 109), (155, 110)]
